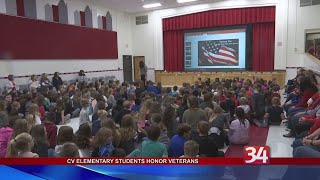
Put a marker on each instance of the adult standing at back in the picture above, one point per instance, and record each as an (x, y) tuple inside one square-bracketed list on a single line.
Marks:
[(33, 84), (57, 81), (143, 71), (11, 86), (193, 114), (82, 79), (44, 82)]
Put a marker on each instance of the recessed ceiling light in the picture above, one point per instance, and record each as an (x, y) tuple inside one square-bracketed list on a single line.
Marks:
[(152, 5), (185, 1)]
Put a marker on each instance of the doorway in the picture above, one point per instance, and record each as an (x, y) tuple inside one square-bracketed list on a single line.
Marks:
[(136, 60), (127, 68)]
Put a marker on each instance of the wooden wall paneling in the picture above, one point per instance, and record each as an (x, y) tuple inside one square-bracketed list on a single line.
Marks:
[(177, 78), (169, 79), (157, 76)]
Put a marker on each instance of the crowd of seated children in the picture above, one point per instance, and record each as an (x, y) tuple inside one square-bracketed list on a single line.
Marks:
[(144, 120)]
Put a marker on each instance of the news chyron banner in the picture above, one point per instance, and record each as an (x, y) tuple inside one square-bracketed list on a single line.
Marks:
[(256, 163)]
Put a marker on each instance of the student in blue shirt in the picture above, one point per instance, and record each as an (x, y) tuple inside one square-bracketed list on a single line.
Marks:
[(178, 140), (152, 88)]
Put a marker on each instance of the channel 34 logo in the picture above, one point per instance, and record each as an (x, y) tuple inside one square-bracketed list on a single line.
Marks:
[(256, 154)]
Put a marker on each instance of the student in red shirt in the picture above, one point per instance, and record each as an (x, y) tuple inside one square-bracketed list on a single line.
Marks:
[(248, 91), (51, 129), (275, 91)]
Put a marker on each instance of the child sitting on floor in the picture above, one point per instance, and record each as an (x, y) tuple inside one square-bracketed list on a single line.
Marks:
[(51, 129), (244, 105), (207, 145), (151, 147), (128, 134), (41, 145), (275, 113), (65, 135), (84, 115), (6, 131), (103, 143), (69, 150), (239, 129), (178, 140), (21, 146), (191, 149)]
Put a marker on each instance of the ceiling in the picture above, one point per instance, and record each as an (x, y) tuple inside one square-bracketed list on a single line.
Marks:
[(135, 6)]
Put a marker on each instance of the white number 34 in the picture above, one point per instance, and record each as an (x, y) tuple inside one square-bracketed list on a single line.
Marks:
[(261, 155)]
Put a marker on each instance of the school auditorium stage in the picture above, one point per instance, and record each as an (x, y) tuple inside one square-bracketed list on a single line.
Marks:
[(177, 78)]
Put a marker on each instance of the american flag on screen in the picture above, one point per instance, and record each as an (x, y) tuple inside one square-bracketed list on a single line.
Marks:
[(216, 53)]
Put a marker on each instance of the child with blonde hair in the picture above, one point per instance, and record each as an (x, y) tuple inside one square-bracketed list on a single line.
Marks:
[(243, 104), (31, 121), (208, 112), (34, 110), (21, 146), (101, 113)]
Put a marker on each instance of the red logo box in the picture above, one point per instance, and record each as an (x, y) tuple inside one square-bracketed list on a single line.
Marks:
[(256, 154)]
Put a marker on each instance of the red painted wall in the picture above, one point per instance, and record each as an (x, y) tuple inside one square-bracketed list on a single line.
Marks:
[(20, 7), (23, 38), (82, 18), (55, 13)]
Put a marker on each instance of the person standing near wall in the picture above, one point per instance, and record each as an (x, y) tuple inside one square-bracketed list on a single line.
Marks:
[(143, 71), (82, 79), (57, 81), (11, 86)]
